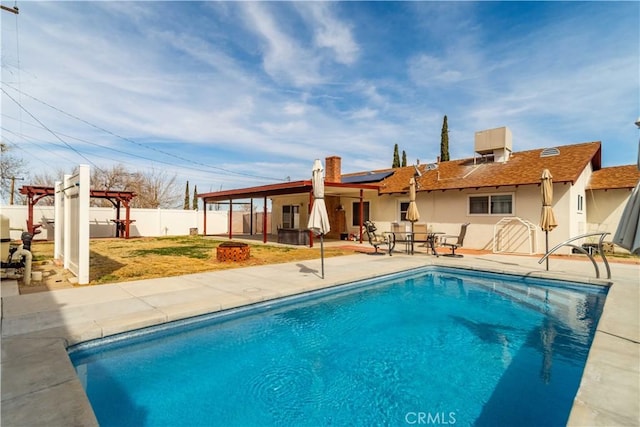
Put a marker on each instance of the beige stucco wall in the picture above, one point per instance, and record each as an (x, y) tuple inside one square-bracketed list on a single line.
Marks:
[(605, 209), (578, 219), (301, 200), (446, 211)]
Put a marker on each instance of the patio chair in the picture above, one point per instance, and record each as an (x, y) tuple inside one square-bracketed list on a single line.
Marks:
[(420, 234), (377, 240), (454, 245)]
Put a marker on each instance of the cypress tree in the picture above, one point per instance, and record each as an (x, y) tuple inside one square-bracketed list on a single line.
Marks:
[(396, 157), (404, 158), (186, 197), (194, 205), (444, 141)]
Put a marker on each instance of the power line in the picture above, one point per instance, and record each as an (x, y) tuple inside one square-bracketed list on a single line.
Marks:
[(203, 176), (33, 140), (137, 143), (49, 130)]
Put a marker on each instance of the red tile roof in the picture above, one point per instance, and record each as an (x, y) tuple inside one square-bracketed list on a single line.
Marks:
[(522, 168)]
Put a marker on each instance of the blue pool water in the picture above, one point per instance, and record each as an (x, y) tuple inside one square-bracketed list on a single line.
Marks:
[(430, 347)]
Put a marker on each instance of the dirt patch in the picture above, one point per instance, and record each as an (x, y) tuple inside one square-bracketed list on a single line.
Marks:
[(53, 277), (119, 260)]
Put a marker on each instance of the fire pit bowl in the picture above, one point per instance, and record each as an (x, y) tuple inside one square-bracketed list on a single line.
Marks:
[(233, 251)]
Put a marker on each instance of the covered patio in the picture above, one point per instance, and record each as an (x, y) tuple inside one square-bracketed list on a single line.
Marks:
[(335, 194)]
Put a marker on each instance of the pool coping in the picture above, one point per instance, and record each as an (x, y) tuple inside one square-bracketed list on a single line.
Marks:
[(39, 384)]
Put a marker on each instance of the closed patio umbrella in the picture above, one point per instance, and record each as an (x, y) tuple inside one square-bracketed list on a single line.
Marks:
[(412, 212), (628, 232), (318, 218), (547, 218)]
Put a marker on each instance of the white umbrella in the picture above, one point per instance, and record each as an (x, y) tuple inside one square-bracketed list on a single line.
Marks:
[(547, 217), (318, 218), (628, 232)]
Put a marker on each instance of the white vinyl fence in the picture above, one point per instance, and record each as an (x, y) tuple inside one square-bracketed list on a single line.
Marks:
[(148, 222)]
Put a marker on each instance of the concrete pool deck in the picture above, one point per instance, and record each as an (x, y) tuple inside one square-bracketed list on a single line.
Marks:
[(40, 387)]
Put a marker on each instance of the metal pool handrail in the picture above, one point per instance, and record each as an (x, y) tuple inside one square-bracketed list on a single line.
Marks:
[(581, 249)]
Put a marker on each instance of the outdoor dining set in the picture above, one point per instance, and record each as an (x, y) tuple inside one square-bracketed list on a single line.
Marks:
[(419, 235)]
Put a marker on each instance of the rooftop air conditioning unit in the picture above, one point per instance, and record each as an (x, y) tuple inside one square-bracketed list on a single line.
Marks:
[(498, 142)]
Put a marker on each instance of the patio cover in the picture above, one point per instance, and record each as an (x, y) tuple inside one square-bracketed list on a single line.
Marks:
[(281, 189), (35, 193)]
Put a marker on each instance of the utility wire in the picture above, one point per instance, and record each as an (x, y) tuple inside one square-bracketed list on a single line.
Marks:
[(34, 140), (49, 130), (184, 171), (137, 143)]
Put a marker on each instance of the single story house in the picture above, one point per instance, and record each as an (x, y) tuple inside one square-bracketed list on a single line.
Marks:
[(497, 191)]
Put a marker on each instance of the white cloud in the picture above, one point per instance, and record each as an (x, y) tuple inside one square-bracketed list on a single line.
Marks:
[(294, 108), (330, 33), (426, 70), (284, 59), (363, 114)]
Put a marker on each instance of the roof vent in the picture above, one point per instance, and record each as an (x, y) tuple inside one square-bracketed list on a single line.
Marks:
[(548, 152)]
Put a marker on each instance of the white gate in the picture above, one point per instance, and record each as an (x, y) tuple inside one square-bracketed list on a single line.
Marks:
[(72, 223)]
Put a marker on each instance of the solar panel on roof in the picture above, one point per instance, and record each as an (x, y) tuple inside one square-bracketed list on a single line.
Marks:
[(369, 177)]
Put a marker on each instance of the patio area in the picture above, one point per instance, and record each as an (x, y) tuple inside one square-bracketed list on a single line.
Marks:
[(40, 387)]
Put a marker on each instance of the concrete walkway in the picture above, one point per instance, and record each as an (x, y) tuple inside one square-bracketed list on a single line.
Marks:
[(39, 385)]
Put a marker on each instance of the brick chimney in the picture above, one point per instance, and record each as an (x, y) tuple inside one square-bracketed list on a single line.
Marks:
[(333, 169)]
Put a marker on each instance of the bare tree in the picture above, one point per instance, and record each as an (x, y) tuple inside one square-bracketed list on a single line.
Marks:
[(116, 178), (11, 169), (48, 179), (154, 189)]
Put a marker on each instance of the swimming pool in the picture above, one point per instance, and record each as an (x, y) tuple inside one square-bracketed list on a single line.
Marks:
[(433, 346)]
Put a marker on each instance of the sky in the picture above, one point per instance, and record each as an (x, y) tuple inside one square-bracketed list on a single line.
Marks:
[(235, 94)]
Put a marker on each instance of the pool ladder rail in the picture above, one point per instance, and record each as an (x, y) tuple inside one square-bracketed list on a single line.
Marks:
[(584, 251)]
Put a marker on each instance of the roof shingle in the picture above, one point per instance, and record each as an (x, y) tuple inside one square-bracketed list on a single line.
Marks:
[(614, 177), (522, 168)]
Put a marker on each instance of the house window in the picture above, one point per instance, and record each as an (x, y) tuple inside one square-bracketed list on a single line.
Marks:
[(404, 207), (290, 216), (580, 202), (356, 213), (493, 204)]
